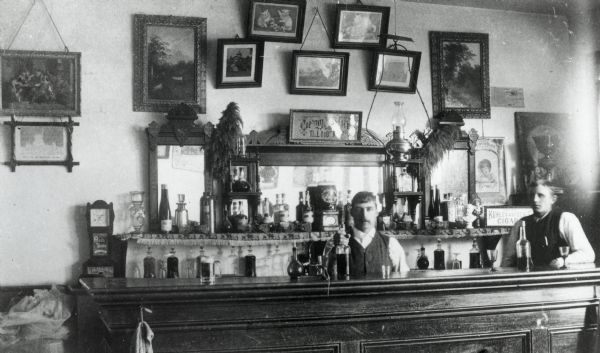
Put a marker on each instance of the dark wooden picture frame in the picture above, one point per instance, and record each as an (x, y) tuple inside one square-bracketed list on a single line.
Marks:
[(40, 83), (319, 73), (360, 26), (319, 126), (276, 20), (41, 143), (394, 70), (239, 63), (169, 63), (462, 84)]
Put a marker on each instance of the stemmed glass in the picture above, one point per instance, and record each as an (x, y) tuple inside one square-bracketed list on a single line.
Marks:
[(492, 255), (564, 252)]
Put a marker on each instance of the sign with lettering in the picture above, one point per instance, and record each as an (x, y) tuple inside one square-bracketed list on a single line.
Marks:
[(505, 216), (325, 126)]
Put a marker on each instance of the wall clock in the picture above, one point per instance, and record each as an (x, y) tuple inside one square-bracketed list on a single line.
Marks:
[(99, 220)]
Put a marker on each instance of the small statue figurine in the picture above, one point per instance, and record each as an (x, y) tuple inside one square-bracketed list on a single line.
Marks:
[(477, 211)]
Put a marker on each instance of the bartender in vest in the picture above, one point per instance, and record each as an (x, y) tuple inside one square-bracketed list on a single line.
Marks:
[(369, 249), (547, 229)]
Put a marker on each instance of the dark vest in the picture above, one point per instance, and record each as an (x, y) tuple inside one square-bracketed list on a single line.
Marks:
[(537, 234), (369, 261)]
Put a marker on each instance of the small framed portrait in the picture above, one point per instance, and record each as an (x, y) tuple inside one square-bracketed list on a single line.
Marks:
[(490, 173), (319, 72), (460, 73), (239, 63), (360, 26), (169, 61), (395, 71), (40, 83), (276, 20)]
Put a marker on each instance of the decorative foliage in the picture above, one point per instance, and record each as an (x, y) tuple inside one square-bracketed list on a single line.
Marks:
[(438, 142), (223, 140)]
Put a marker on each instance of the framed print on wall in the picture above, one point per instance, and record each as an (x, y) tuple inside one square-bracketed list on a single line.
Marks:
[(460, 73), (394, 71), (325, 126), (239, 63), (276, 20), (490, 173), (169, 63), (319, 72), (360, 26), (40, 83)]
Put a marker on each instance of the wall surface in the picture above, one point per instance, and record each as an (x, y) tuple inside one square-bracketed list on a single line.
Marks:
[(42, 228)]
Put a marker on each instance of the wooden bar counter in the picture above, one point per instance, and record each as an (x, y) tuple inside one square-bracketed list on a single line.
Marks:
[(420, 311)]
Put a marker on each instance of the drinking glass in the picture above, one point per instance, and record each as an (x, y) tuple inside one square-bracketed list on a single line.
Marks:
[(492, 255), (564, 252), (456, 263)]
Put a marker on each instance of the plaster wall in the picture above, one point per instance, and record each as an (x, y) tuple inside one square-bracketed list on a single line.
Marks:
[(42, 228)]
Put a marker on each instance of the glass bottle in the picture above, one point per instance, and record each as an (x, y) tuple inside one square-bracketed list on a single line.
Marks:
[(307, 216), (250, 260), (172, 265), (422, 260), (149, 264), (340, 208), (276, 209), (295, 268), (284, 210), (233, 262), (136, 210), (164, 210), (438, 206), (384, 217), (300, 207), (202, 265), (342, 260), (227, 227), (181, 215), (523, 250), (347, 211), (431, 208), (438, 257), (474, 256), (207, 218)]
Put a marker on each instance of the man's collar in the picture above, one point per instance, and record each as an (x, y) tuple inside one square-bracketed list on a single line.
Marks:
[(362, 235)]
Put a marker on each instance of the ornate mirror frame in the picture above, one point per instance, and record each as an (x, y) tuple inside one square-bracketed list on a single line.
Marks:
[(180, 130)]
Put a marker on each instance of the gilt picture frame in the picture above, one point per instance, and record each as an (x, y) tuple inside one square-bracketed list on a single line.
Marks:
[(394, 71), (169, 63), (239, 63), (319, 73), (460, 73), (40, 83), (360, 26), (276, 20)]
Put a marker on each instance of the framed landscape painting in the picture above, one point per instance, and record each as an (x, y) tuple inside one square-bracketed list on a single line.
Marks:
[(360, 26), (239, 63), (460, 73), (40, 83), (169, 63), (319, 72), (276, 20), (395, 71)]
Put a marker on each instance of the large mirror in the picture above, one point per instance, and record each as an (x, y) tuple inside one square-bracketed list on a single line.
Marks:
[(176, 158)]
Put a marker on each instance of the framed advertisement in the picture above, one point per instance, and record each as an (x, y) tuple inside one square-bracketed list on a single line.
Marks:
[(319, 73), (360, 26), (394, 71), (239, 63), (40, 83), (325, 126), (490, 174), (276, 20), (505, 216), (169, 63), (460, 73)]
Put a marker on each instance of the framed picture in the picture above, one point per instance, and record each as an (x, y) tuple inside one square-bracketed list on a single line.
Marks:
[(41, 143), (544, 148), (319, 72), (460, 73), (40, 83), (360, 26), (239, 63), (276, 20), (325, 126), (490, 173), (394, 71), (163, 151), (169, 63)]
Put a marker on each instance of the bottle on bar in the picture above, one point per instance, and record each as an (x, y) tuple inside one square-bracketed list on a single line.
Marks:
[(347, 213), (149, 265), (342, 259), (300, 207), (295, 268), (307, 216), (164, 210), (422, 261), (172, 265), (523, 250), (474, 256), (202, 265), (439, 263), (438, 206), (284, 210), (181, 216), (250, 263), (431, 208), (384, 217)]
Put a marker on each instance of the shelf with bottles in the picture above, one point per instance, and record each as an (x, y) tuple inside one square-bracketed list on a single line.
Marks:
[(243, 174)]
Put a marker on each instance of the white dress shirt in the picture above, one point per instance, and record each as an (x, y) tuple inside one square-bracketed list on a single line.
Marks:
[(396, 252)]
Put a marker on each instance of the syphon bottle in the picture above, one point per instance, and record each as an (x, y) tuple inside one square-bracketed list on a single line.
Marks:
[(164, 210), (474, 256), (172, 265), (523, 250), (149, 265), (439, 262)]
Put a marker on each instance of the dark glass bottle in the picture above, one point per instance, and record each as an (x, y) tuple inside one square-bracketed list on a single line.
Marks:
[(149, 265), (438, 205), (300, 207), (202, 265), (422, 261), (295, 268), (172, 265), (227, 226), (523, 248), (250, 261), (439, 263), (342, 254), (240, 184), (431, 208), (164, 210), (474, 256), (347, 214)]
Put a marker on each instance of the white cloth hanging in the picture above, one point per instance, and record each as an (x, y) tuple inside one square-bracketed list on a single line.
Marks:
[(141, 341)]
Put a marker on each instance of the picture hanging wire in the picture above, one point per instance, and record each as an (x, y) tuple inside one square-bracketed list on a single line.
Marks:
[(329, 37), (14, 36)]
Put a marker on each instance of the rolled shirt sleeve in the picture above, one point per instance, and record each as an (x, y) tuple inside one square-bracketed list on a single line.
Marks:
[(571, 231)]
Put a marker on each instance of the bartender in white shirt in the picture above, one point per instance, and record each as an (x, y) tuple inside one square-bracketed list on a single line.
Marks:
[(370, 250), (547, 229)]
